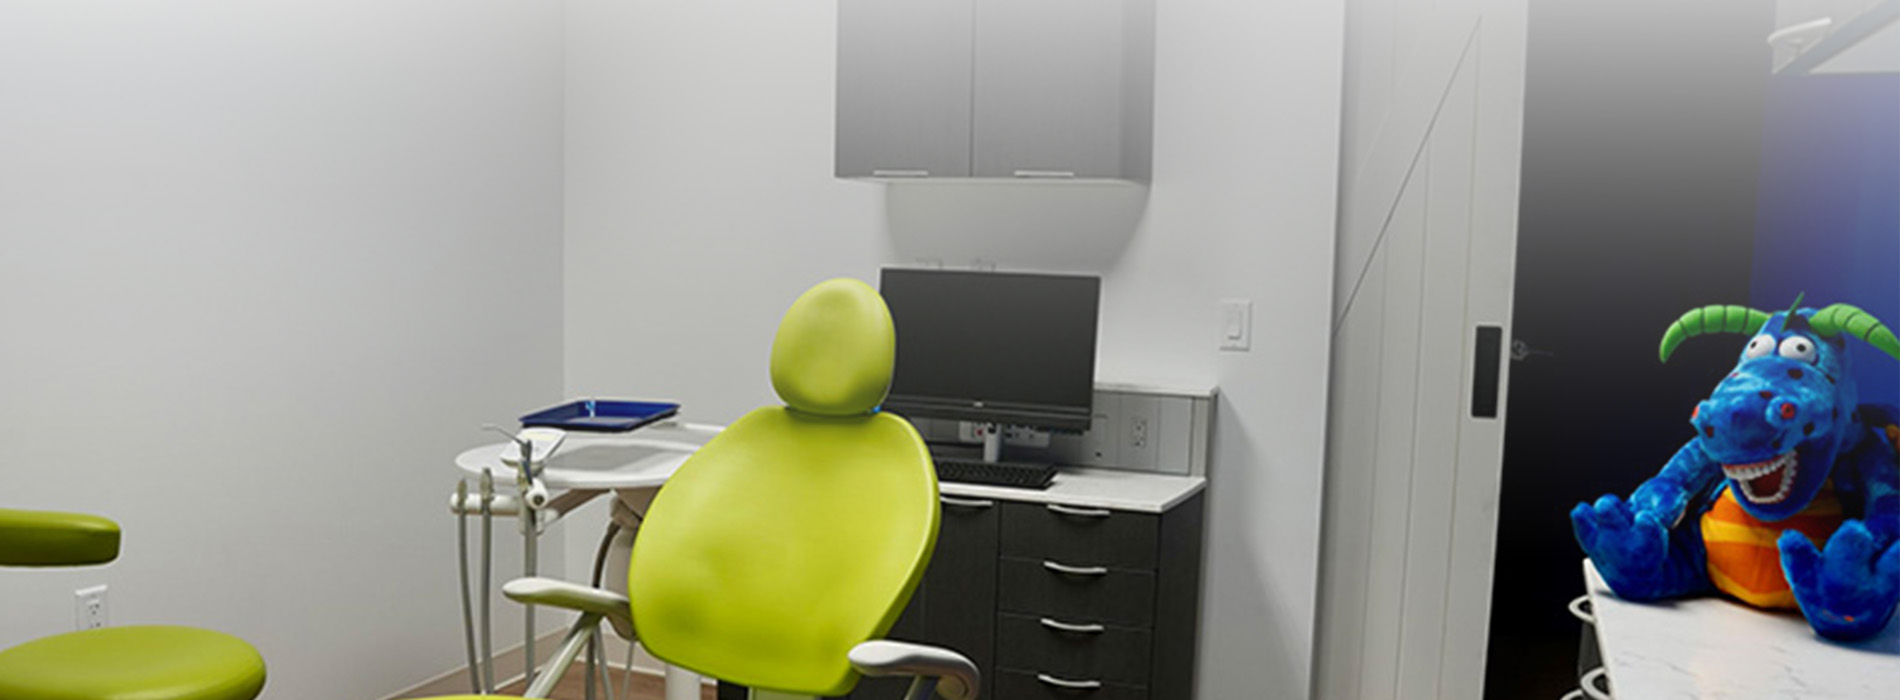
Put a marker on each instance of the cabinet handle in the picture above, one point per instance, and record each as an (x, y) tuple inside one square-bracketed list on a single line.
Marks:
[(1797, 35), (1486, 376), (965, 502), (1060, 509), (1075, 570), (898, 172), (1046, 174), (1068, 684), (1061, 626)]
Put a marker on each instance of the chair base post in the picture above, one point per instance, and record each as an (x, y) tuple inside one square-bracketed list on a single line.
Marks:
[(921, 688), (758, 694), (577, 638)]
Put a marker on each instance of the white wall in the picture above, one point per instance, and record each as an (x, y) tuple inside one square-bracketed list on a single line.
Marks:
[(266, 267), (700, 202)]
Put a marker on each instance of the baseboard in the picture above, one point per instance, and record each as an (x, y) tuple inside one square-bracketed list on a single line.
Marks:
[(507, 661), (455, 680)]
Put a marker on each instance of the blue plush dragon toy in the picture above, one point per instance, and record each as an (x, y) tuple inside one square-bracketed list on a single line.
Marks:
[(1784, 457)]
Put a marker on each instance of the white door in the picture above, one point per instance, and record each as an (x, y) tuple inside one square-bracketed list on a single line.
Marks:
[(1427, 241)]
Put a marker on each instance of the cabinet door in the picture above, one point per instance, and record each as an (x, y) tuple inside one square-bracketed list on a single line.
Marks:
[(955, 607), (961, 614), (1049, 88), (903, 88)]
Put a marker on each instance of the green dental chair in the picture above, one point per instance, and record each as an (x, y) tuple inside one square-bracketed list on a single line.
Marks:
[(112, 663), (779, 555)]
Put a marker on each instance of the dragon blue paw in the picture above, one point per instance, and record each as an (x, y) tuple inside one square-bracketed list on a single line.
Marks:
[(1847, 590), (1630, 547)]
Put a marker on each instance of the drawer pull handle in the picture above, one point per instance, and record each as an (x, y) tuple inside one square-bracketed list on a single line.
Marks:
[(898, 172), (1060, 509), (1075, 570), (966, 502), (1061, 626), (1046, 174), (1066, 684)]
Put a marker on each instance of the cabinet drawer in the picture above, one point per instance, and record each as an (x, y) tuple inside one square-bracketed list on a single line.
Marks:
[(1084, 535), (1038, 588), (1072, 650), (1021, 685)]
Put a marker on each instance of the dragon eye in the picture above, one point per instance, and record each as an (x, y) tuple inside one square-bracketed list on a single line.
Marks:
[(1795, 347), (1761, 345)]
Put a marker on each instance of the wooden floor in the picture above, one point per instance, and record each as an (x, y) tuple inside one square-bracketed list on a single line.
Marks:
[(573, 686)]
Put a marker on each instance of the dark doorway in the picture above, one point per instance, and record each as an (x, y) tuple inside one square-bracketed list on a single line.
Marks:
[(1642, 142)]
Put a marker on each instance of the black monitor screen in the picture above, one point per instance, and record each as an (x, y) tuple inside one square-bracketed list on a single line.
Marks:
[(995, 347)]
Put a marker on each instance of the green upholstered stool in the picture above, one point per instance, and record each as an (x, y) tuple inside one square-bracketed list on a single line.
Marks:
[(112, 663), (133, 663)]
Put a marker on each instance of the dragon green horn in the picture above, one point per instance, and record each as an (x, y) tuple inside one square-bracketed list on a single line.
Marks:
[(1711, 319), (1791, 317), (1830, 321)]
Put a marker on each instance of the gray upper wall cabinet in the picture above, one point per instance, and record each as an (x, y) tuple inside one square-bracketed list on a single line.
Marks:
[(1026, 89), (904, 88)]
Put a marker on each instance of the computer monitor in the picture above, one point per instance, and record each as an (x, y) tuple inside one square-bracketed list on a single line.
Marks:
[(1005, 348)]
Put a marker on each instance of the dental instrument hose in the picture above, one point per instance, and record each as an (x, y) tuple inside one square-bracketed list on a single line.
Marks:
[(528, 556), (600, 554), (530, 531), (488, 523), (461, 550), (597, 654)]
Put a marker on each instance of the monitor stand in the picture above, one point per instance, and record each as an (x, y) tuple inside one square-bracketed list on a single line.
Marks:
[(992, 442), (993, 445)]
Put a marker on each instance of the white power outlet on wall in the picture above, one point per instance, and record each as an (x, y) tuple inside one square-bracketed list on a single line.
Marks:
[(89, 607)]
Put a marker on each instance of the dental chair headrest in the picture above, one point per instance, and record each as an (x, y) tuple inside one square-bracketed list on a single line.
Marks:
[(834, 350)]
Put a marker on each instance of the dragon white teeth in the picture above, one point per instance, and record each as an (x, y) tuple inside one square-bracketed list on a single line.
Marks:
[(1756, 469), (1744, 476)]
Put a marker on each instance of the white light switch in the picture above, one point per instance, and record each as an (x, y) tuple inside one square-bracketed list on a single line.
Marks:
[(1236, 324)]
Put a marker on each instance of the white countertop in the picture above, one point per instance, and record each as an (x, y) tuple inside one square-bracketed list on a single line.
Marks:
[(642, 458), (1093, 488), (1712, 647), (647, 457)]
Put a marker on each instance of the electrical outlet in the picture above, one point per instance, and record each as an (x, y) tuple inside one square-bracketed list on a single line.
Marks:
[(1139, 430), (969, 432), (89, 608)]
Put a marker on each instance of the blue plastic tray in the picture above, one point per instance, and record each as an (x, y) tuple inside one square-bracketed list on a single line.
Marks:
[(600, 416)]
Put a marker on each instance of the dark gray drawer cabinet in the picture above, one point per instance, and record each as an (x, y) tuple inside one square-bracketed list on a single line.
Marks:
[(1017, 685), (1083, 593), (955, 606), (1096, 603), (1062, 602), (1076, 650), (1076, 535)]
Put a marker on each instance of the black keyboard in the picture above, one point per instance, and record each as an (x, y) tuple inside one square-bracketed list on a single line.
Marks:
[(1020, 475)]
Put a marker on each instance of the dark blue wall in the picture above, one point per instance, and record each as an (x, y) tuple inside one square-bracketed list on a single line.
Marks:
[(1829, 221), (1652, 185)]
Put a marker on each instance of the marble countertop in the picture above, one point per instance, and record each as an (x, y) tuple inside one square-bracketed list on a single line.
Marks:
[(1712, 648)]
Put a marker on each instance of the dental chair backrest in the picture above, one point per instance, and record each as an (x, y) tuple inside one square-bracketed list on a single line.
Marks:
[(801, 530)]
